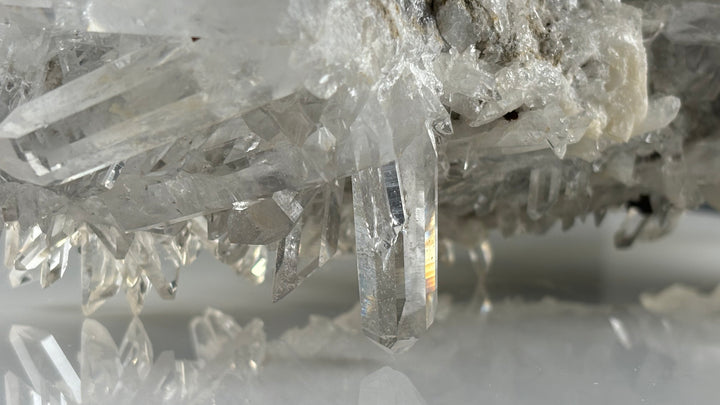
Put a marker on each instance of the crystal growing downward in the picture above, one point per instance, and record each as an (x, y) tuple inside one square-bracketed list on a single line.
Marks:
[(395, 209), (145, 133)]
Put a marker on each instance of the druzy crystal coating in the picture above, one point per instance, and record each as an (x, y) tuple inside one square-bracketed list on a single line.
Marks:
[(278, 134)]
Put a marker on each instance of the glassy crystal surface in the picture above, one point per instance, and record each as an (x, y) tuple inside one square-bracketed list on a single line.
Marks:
[(45, 363), (100, 364), (146, 133)]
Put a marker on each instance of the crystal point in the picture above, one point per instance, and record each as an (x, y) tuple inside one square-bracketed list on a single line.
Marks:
[(100, 276), (388, 386), (146, 131), (211, 331), (44, 362), (99, 363), (312, 241), (226, 347), (136, 351)]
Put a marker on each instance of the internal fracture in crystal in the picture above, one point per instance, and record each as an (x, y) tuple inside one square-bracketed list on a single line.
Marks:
[(278, 134)]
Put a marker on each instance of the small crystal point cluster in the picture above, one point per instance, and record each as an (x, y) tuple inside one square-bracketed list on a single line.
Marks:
[(276, 134), (131, 373)]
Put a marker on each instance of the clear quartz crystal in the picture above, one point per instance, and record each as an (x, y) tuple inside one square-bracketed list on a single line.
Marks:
[(396, 257), (99, 275), (217, 338), (388, 386), (12, 240), (130, 372), (136, 352), (19, 393), (45, 363), (146, 133), (395, 209), (210, 331), (99, 364), (244, 366)]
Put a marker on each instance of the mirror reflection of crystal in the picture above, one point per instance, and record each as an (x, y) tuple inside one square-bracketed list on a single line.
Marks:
[(145, 133)]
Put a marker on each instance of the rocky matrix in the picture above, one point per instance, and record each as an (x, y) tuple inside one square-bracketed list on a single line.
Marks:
[(276, 134)]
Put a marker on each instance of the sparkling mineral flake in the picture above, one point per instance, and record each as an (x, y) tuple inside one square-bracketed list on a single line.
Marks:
[(277, 134)]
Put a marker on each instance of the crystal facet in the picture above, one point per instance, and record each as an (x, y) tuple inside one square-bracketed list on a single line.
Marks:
[(19, 393), (100, 366), (44, 362)]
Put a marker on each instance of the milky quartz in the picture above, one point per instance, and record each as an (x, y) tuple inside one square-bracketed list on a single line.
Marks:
[(276, 134)]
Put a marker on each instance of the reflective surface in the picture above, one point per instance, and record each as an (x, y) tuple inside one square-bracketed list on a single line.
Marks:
[(599, 342)]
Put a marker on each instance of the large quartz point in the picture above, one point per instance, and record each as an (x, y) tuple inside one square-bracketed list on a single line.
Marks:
[(225, 346), (395, 209)]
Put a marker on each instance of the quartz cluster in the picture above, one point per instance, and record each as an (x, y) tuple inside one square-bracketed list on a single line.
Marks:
[(131, 373), (276, 134)]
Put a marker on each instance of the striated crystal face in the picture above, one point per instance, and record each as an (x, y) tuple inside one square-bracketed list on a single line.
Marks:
[(278, 134)]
